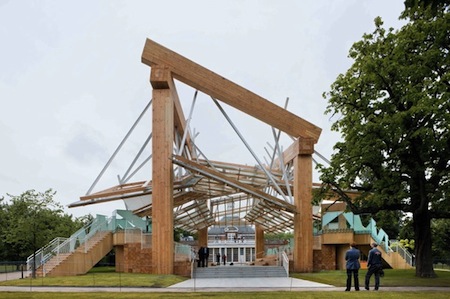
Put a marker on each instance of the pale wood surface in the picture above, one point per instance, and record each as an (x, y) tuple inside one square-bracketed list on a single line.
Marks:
[(161, 78), (162, 205), (303, 222), (235, 183), (259, 236), (228, 92)]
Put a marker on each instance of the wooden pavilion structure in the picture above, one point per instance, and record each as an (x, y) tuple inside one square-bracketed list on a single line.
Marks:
[(191, 192)]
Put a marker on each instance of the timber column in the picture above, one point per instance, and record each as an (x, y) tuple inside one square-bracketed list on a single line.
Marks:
[(203, 237), (303, 222), (259, 241), (162, 178)]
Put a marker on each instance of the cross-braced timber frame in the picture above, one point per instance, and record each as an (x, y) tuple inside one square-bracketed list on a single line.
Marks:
[(191, 192)]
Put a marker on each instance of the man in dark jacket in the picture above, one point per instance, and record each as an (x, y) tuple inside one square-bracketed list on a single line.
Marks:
[(352, 265), (204, 255), (200, 257), (374, 266)]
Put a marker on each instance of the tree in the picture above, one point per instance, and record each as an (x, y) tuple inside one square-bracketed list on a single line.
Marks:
[(279, 236), (441, 239), (408, 244), (179, 232), (31, 220), (393, 112), (414, 8), (407, 229), (3, 228), (390, 221)]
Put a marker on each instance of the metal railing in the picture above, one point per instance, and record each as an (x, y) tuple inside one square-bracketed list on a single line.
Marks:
[(182, 252), (81, 237), (45, 253), (246, 240), (135, 230), (354, 224), (403, 252), (60, 245), (285, 262)]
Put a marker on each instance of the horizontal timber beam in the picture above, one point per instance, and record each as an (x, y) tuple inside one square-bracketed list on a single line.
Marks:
[(228, 92)]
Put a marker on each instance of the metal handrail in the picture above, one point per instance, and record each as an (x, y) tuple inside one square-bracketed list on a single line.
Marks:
[(285, 262), (403, 252), (45, 253), (66, 245)]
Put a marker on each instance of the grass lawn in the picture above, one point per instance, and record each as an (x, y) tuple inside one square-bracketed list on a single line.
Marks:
[(392, 278), (234, 295), (106, 277), (101, 277)]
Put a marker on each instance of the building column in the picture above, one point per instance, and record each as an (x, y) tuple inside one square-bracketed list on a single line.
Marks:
[(162, 173), (259, 241), (203, 237), (303, 222)]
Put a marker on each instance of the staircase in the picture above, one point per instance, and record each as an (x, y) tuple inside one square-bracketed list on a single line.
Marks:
[(239, 271), (340, 227), (81, 260), (395, 259), (79, 253)]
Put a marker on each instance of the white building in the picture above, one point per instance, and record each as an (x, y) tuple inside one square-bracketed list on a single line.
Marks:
[(236, 242)]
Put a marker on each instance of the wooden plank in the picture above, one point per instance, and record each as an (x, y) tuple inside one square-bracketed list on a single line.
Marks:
[(118, 191), (228, 92), (162, 203), (161, 78), (303, 222), (298, 147), (203, 237), (232, 182), (259, 238)]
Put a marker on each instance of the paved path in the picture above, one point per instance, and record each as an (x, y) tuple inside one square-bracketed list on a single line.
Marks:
[(12, 275), (210, 285), (272, 283)]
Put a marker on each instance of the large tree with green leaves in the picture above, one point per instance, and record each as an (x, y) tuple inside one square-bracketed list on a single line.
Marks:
[(441, 239), (416, 7), (31, 220), (393, 111)]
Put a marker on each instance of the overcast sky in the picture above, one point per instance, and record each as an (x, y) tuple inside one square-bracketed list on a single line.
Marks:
[(72, 82)]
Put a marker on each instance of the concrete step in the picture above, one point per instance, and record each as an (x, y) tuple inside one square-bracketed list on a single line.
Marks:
[(239, 271)]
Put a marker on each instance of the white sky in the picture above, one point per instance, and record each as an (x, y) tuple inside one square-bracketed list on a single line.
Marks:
[(72, 84)]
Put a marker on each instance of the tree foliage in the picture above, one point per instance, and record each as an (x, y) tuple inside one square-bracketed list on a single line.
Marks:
[(407, 229), (279, 236), (441, 239), (31, 220), (415, 8), (408, 244), (390, 221), (393, 111)]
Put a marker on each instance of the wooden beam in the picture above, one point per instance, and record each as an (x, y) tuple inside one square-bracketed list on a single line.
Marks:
[(259, 238), (303, 222), (117, 190), (161, 78), (233, 183), (298, 147), (203, 237), (162, 203), (228, 92)]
